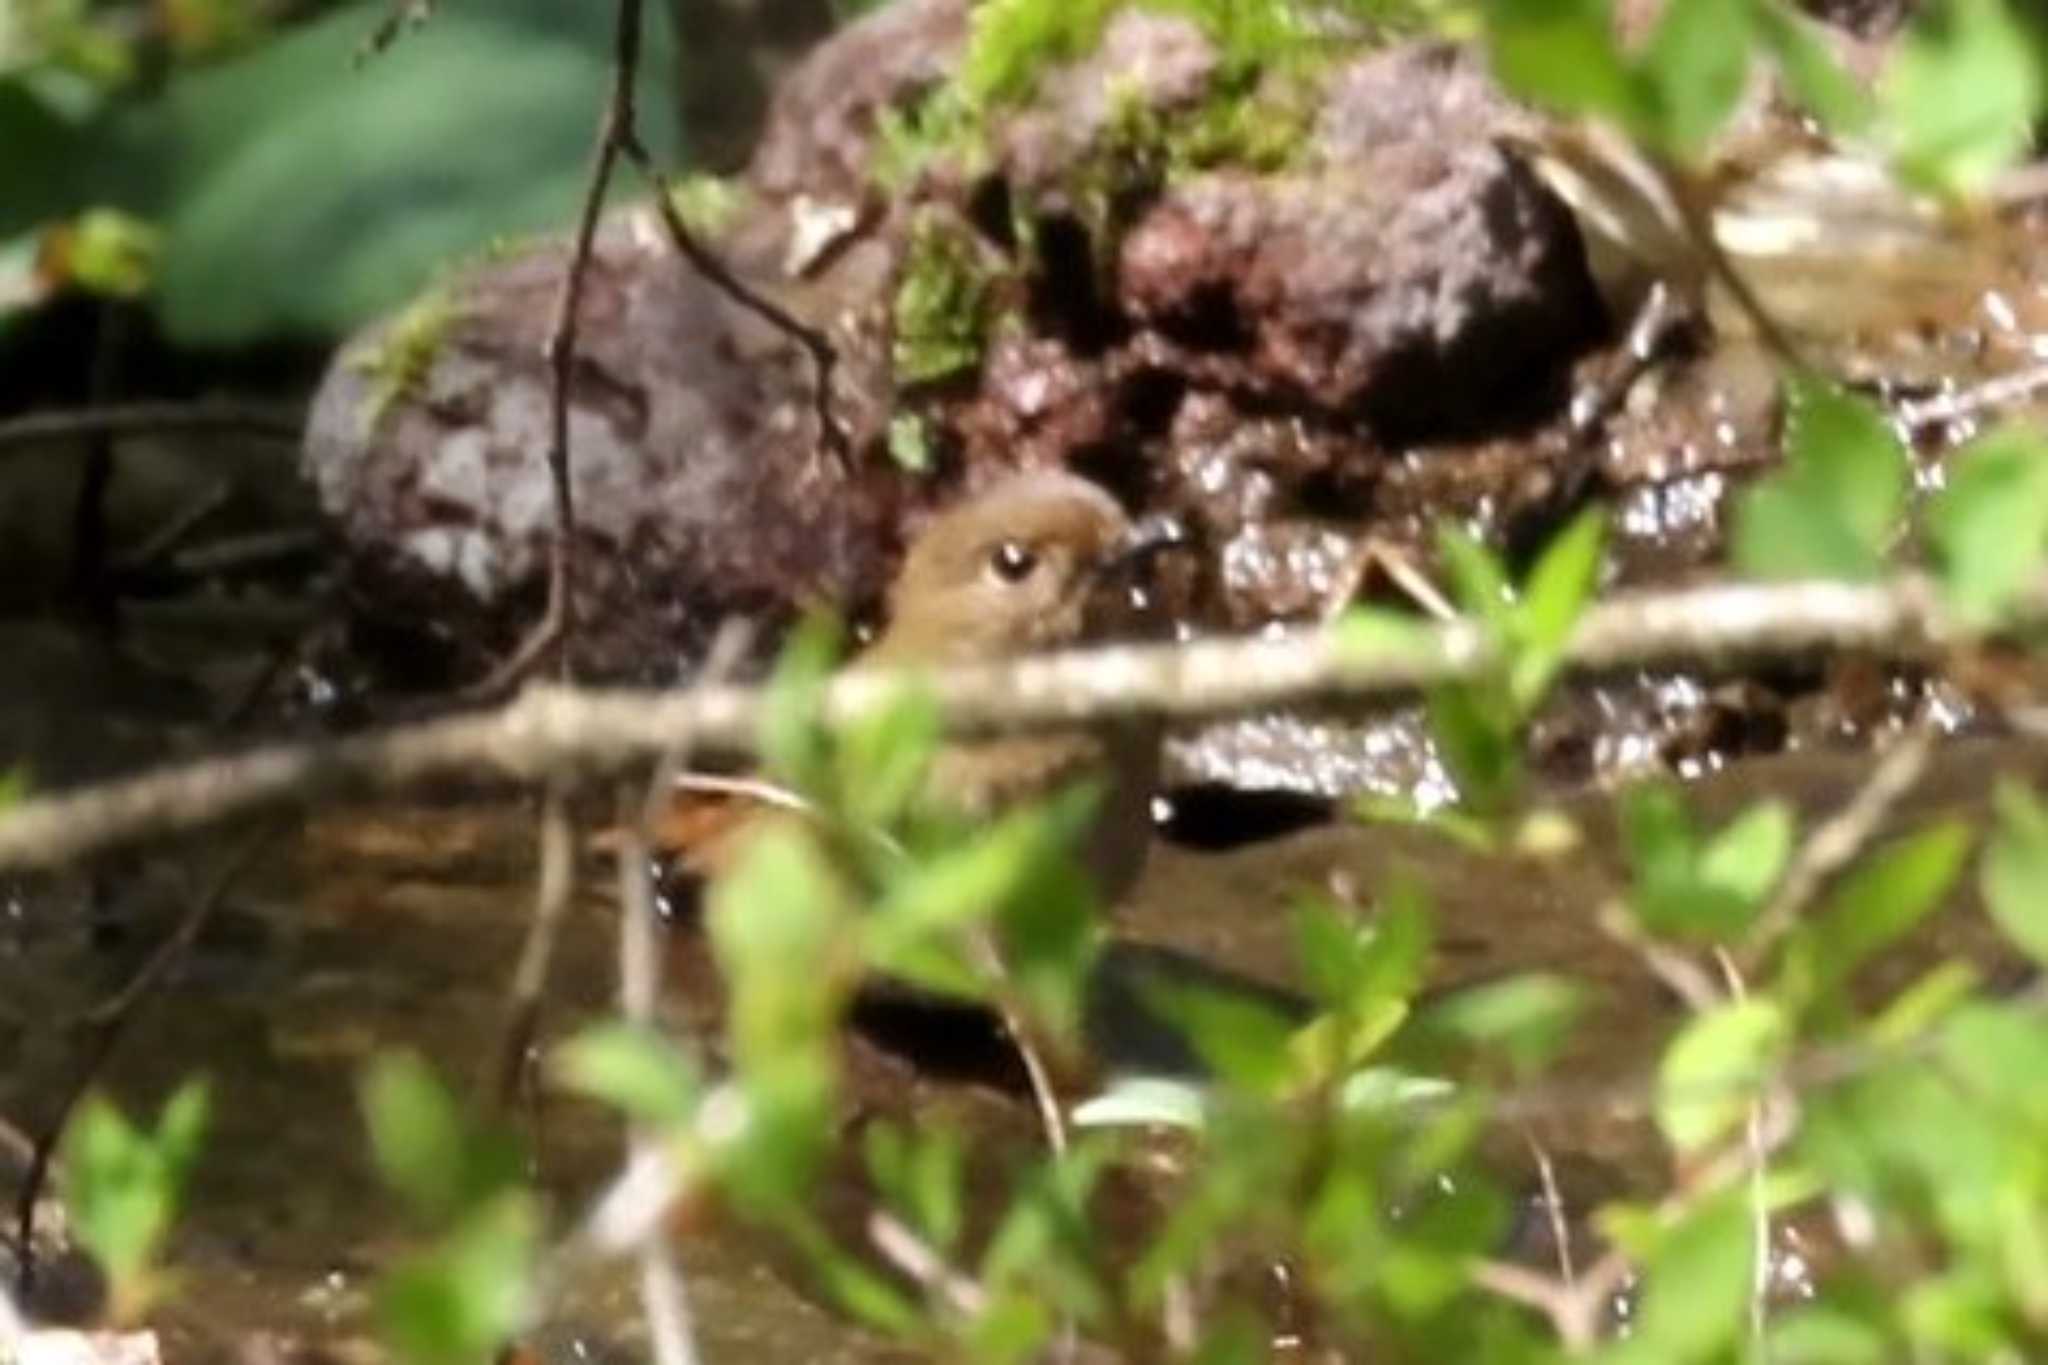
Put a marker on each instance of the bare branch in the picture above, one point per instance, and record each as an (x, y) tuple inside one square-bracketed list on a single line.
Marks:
[(552, 730), (146, 419)]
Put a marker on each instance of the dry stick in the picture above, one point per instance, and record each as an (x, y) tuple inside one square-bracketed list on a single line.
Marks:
[(143, 419), (2005, 390), (110, 1020), (551, 730), (1837, 841), (175, 530), (1756, 1156), (550, 909)]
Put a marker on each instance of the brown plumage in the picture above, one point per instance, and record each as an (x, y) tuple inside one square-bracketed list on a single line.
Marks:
[(1034, 563)]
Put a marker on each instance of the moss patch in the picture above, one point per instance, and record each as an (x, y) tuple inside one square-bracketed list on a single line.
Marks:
[(943, 304), (398, 365)]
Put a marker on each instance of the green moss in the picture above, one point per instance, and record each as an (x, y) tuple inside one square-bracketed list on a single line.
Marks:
[(1015, 42), (708, 203), (398, 365), (943, 304)]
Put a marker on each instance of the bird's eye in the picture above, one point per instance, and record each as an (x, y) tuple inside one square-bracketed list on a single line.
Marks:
[(1013, 561)]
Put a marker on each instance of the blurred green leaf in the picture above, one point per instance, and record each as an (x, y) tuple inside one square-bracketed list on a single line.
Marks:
[(1242, 1039), (438, 1161), (15, 785), (1715, 1069), (1479, 736), (1555, 596), (2015, 870), (1827, 1334), (1525, 1018), (1831, 512), (122, 1185), (1990, 524), (1876, 904), (1699, 1279), (1961, 93), (883, 759), (1811, 74), (1712, 890), (105, 251), (1478, 580), (1143, 1102), (1563, 54), (1748, 855), (1373, 634), (794, 743), (1696, 67), (461, 1302), (635, 1070), (922, 1174)]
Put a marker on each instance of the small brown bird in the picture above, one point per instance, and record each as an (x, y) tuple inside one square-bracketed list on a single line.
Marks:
[(1040, 560)]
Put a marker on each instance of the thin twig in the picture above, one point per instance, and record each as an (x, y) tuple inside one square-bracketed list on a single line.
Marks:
[(615, 131), (550, 729), (832, 436), (2004, 391), (1553, 1205), (550, 908), (1757, 1158), (176, 529), (1836, 842), (147, 419), (915, 1257)]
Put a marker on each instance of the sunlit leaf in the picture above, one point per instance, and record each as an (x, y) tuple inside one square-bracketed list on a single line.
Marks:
[(1696, 68), (922, 1173), (1478, 580), (1552, 600), (460, 1302), (1699, 1285), (1963, 88), (635, 1070), (437, 1160), (1990, 524), (1811, 74), (1877, 903), (1562, 53), (122, 1185), (1747, 856), (1713, 1071), (1832, 510), (1525, 1018)]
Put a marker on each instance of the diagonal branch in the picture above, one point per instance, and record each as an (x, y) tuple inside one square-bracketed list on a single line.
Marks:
[(555, 730)]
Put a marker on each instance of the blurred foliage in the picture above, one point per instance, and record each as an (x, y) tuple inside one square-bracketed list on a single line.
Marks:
[(122, 1187), (294, 190)]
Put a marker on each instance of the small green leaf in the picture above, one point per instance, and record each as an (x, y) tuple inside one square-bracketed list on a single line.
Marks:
[(416, 1131), (2015, 870), (1478, 580), (1555, 596), (1714, 1070), (122, 1185), (1525, 1017), (883, 759), (793, 740), (1700, 1279), (1812, 75), (1143, 1102), (1244, 1040), (1375, 635), (1990, 525), (1963, 88), (1832, 510), (462, 1301), (1563, 54), (1477, 734), (922, 1173), (1748, 855), (15, 784), (633, 1069), (1879, 902), (1696, 67), (910, 442)]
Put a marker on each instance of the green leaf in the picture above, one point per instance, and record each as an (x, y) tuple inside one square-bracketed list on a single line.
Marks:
[(1478, 580), (794, 743), (302, 195), (461, 1302), (781, 904), (1748, 855), (1242, 1039), (2015, 870), (1827, 1334), (1562, 53), (1555, 596), (1143, 1102), (883, 759), (1831, 512), (1963, 88), (1699, 1278), (1879, 902), (1990, 524), (922, 1174), (1525, 1017), (1714, 1070), (1477, 734), (635, 1070), (122, 1185), (416, 1131), (15, 784), (1696, 67), (1375, 635), (1811, 73)]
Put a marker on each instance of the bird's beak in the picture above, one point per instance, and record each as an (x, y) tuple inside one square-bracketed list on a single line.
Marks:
[(1142, 541)]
